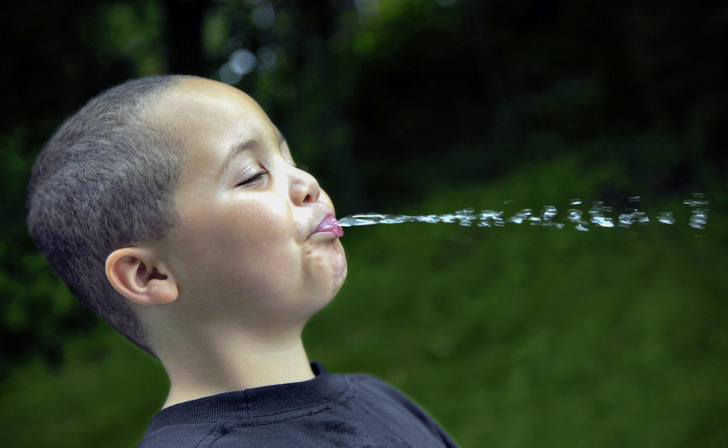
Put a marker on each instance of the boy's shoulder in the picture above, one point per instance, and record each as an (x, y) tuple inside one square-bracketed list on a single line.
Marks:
[(330, 410)]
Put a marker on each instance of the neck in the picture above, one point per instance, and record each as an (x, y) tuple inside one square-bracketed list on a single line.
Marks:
[(198, 369)]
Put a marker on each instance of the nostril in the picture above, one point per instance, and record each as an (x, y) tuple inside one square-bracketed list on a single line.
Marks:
[(304, 188), (313, 194)]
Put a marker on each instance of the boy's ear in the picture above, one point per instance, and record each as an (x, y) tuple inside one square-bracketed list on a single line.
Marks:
[(138, 276)]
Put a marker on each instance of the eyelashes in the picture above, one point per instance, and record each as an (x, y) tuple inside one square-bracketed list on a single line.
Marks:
[(260, 175)]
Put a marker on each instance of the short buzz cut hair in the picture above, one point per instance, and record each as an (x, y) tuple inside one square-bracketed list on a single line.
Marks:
[(105, 180)]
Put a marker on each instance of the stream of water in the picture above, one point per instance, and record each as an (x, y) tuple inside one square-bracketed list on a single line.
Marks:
[(598, 215)]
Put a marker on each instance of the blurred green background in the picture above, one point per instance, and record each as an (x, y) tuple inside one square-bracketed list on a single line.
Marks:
[(519, 336)]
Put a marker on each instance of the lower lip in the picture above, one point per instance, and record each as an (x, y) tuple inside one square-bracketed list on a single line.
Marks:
[(330, 225)]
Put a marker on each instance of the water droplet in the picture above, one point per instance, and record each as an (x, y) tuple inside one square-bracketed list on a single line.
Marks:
[(489, 218), (698, 220), (574, 215), (598, 214), (666, 218), (634, 217), (697, 200), (520, 216), (548, 213)]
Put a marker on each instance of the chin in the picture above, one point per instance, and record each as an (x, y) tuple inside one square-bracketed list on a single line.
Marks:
[(339, 270), (338, 282), (327, 270)]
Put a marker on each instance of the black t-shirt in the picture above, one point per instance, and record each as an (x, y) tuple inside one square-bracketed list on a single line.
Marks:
[(327, 411)]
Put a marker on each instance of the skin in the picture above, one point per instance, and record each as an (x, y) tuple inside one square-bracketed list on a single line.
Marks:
[(226, 293)]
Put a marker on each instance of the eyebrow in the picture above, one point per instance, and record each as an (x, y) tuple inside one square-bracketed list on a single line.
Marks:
[(235, 152), (247, 145)]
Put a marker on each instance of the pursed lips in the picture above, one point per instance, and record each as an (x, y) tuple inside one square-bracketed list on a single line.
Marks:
[(328, 224)]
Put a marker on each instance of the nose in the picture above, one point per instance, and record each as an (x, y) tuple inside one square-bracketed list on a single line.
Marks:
[(304, 187)]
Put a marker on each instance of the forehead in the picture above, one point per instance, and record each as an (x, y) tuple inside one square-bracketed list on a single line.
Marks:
[(206, 102), (206, 115)]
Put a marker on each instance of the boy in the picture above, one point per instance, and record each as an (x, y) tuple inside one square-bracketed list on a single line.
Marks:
[(171, 206)]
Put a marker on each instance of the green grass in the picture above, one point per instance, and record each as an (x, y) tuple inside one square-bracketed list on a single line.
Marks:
[(104, 395), (510, 337)]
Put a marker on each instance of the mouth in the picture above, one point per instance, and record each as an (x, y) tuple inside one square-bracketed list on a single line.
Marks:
[(329, 225)]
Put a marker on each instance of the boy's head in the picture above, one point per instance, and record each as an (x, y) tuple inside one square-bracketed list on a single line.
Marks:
[(179, 193)]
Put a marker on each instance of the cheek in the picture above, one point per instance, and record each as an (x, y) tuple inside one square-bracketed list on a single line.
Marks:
[(339, 270), (233, 250), (248, 229), (327, 266)]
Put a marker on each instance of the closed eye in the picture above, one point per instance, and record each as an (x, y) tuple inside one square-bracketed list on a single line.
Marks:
[(254, 178)]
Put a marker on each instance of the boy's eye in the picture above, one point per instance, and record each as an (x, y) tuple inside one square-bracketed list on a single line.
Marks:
[(260, 175)]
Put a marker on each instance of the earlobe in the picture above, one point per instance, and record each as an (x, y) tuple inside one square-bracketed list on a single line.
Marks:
[(134, 272)]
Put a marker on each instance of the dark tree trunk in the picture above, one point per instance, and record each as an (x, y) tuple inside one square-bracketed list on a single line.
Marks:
[(183, 36)]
